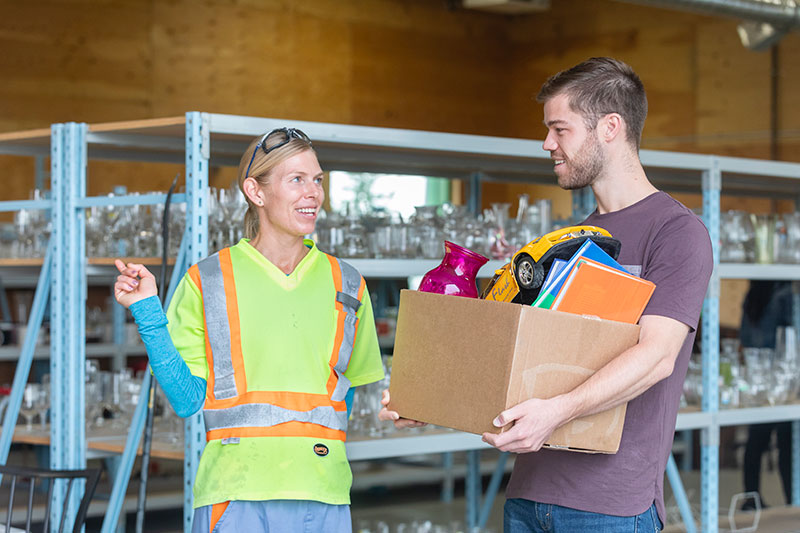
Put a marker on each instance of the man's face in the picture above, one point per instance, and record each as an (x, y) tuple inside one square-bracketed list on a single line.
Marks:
[(577, 155)]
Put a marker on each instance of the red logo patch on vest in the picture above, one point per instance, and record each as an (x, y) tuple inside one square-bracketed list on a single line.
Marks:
[(321, 450)]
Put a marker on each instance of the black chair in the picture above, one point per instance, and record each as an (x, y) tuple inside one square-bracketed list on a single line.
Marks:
[(21, 475)]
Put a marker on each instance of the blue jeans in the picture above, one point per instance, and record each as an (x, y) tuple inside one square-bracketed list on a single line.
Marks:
[(526, 516), (274, 516)]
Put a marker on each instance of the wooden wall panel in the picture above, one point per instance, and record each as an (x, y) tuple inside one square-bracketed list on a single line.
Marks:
[(733, 94), (73, 61), (399, 63), (658, 43)]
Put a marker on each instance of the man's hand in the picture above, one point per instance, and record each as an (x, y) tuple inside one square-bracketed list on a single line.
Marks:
[(394, 416), (134, 283), (534, 421)]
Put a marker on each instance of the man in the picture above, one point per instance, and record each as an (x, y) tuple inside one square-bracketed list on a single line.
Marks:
[(594, 113)]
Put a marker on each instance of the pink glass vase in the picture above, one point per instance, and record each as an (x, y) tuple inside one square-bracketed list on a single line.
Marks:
[(456, 273)]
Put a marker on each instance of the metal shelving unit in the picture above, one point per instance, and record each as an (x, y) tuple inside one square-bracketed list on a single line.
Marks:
[(201, 139)]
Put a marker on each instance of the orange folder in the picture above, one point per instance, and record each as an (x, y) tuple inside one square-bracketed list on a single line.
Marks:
[(596, 289)]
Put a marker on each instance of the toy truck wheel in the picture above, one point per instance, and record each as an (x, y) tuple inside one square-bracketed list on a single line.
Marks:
[(529, 275)]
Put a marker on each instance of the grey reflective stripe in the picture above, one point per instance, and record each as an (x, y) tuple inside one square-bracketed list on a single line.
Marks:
[(265, 415), (351, 282), (348, 301), (217, 325)]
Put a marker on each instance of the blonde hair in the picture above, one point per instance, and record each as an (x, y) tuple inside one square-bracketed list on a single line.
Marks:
[(262, 167)]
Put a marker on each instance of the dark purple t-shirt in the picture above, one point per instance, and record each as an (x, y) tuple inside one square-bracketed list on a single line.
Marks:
[(666, 243)]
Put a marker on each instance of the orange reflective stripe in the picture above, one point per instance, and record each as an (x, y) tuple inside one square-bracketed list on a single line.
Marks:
[(216, 513), (296, 401), (337, 278), (337, 343), (287, 429), (333, 379), (194, 274), (233, 319)]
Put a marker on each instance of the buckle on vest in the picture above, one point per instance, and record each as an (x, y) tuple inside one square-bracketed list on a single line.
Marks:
[(230, 440)]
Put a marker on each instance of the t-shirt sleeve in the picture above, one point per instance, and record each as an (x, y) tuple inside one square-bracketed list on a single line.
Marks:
[(679, 263), (365, 363), (187, 327)]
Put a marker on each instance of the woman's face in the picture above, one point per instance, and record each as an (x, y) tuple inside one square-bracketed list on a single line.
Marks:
[(293, 195)]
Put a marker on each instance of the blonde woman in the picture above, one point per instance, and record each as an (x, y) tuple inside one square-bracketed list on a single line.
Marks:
[(267, 337)]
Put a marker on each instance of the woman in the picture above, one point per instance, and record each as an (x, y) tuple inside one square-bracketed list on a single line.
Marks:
[(266, 336)]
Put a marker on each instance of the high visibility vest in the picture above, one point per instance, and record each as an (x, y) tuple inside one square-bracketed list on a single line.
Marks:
[(231, 410)]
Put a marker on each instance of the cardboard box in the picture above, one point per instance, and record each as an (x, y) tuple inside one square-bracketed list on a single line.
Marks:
[(458, 362)]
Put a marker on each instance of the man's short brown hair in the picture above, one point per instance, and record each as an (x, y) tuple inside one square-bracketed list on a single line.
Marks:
[(599, 86)]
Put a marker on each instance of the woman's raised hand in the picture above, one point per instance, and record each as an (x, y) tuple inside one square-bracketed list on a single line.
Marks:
[(134, 283)]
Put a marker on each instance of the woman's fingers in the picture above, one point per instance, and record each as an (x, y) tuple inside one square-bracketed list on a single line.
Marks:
[(144, 273), (122, 286), (127, 281)]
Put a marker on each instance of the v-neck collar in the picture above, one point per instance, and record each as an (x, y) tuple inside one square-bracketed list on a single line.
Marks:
[(288, 281)]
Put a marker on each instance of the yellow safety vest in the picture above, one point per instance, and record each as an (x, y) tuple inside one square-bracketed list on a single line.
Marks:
[(231, 411)]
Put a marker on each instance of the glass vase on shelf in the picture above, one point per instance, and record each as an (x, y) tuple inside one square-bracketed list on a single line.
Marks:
[(764, 231), (500, 247), (426, 231), (737, 236), (456, 274)]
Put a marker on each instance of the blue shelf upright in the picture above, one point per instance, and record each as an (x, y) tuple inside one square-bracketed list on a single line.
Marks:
[(709, 451), (198, 151), (68, 309)]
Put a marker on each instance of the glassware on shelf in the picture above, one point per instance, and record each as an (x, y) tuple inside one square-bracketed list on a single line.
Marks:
[(764, 233), (43, 402), (169, 424), (500, 247), (94, 404), (758, 368), (693, 384), (789, 249), (456, 274), (426, 231), (30, 403), (737, 236), (730, 381), (785, 367), (354, 241)]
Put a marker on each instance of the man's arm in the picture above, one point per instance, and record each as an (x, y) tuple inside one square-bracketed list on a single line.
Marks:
[(625, 377)]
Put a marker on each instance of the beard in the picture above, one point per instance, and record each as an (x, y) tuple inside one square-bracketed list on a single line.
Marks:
[(584, 167)]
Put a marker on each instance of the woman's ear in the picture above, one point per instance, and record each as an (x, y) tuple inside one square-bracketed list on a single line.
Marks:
[(252, 189)]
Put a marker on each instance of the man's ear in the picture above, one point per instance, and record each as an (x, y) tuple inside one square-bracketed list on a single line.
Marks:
[(611, 127)]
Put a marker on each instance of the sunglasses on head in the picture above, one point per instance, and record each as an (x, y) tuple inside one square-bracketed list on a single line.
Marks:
[(288, 133)]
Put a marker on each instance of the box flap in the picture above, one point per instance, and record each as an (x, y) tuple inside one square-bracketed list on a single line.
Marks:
[(452, 359)]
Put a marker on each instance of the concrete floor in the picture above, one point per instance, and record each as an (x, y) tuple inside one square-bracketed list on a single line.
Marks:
[(397, 494), (421, 503)]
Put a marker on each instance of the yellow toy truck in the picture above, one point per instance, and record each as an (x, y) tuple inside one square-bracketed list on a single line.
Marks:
[(521, 279)]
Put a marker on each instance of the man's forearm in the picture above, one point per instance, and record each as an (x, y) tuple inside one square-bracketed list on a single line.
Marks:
[(631, 373)]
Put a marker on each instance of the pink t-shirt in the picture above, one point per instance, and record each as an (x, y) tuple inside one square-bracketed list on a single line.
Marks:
[(666, 243)]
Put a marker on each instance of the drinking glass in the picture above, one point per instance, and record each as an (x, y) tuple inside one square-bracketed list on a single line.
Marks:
[(693, 384), (764, 231), (758, 370), (790, 247), (737, 237), (43, 400), (94, 404), (500, 247), (30, 404)]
